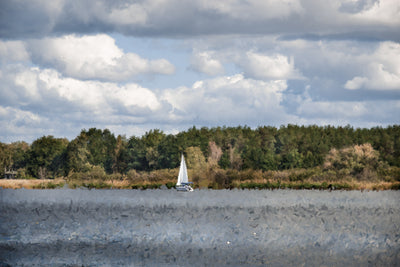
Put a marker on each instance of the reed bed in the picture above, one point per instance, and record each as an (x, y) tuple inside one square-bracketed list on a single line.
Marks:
[(246, 184), (213, 178), (32, 183)]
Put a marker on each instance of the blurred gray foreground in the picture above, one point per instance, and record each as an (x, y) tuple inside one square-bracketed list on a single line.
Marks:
[(66, 227)]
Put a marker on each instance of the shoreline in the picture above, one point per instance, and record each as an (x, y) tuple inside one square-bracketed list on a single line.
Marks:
[(60, 183)]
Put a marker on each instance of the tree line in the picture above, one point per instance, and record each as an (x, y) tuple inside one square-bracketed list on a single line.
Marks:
[(238, 148)]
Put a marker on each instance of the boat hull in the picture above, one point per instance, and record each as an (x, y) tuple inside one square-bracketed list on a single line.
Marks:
[(184, 188)]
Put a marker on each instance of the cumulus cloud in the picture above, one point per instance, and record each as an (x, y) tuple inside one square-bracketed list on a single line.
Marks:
[(381, 69), (228, 99), (386, 12), (11, 51), (55, 96), (21, 125), (356, 83), (275, 67), (133, 95), (128, 14), (356, 6), (332, 110), (253, 9), (19, 117), (265, 65), (198, 17), (93, 57), (204, 62), (356, 113)]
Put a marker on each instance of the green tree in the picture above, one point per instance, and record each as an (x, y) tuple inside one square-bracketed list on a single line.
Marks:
[(45, 158), (136, 154), (19, 154), (95, 146), (77, 156), (196, 163), (225, 162), (6, 160), (151, 140), (195, 159), (120, 155), (168, 149), (292, 159)]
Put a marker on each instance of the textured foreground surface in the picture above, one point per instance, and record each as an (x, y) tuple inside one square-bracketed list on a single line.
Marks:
[(217, 228)]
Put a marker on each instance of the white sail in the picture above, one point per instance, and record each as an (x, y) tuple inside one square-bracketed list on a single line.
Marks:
[(182, 177)]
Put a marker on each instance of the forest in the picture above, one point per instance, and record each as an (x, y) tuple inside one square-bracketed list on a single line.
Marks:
[(219, 157)]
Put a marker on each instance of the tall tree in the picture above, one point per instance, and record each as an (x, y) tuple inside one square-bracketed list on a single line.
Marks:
[(120, 154), (45, 157), (20, 154), (6, 160), (136, 154)]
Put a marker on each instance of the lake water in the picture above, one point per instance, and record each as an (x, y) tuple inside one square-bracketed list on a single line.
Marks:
[(65, 227)]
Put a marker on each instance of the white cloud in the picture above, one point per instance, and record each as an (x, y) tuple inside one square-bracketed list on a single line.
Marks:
[(253, 9), (382, 78), (206, 63), (128, 15), (21, 125), (332, 110), (47, 88), (17, 116), (356, 83), (11, 51), (385, 12), (177, 18), (229, 99), (275, 67), (380, 70), (132, 95), (27, 80), (161, 66), (94, 57), (356, 113), (88, 95)]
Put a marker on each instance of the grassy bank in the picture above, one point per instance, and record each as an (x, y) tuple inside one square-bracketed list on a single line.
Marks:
[(216, 178), (32, 183), (97, 184)]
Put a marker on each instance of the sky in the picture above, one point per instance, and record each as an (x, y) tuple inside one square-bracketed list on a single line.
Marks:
[(133, 66)]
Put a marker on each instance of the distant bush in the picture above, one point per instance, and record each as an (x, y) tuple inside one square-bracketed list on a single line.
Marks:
[(221, 178), (170, 185), (93, 172), (253, 185), (48, 185), (115, 177), (134, 177), (96, 172), (23, 174), (156, 176), (389, 174), (233, 175), (297, 186), (98, 185), (359, 161), (161, 175), (300, 175), (395, 186), (146, 186)]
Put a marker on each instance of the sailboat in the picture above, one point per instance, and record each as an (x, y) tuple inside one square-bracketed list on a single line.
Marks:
[(183, 183)]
